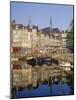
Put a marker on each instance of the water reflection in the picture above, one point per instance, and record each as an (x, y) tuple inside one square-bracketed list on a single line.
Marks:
[(53, 89), (45, 90), (45, 80)]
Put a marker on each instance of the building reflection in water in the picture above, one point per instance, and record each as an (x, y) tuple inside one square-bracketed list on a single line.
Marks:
[(42, 80)]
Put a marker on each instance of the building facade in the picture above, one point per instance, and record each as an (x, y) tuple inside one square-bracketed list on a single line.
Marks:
[(64, 38), (25, 37)]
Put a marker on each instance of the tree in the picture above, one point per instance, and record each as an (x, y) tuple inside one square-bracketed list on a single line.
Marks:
[(70, 37)]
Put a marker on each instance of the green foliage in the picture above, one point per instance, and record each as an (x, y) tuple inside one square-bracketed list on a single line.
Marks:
[(70, 36)]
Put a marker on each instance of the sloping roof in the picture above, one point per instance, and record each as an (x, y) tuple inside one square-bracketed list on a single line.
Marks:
[(55, 30), (47, 30)]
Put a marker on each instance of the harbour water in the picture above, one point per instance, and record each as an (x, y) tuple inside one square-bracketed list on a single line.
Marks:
[(46, 90), (55, 89), (42, 81)]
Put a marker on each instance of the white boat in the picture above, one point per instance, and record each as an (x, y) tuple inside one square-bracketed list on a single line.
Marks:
[(14, 59), (65, 65), (29, 58)]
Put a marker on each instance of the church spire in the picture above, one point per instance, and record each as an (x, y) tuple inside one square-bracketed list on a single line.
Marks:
[(50, 24), (29, 22)]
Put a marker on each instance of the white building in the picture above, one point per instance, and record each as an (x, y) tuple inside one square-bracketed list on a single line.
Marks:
[(21, 37), (16, 37), (34, 38), (64, 37), (54, 42), (26, 37)]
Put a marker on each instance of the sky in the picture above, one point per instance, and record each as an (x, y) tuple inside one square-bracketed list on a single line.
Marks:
[(40, 14)]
